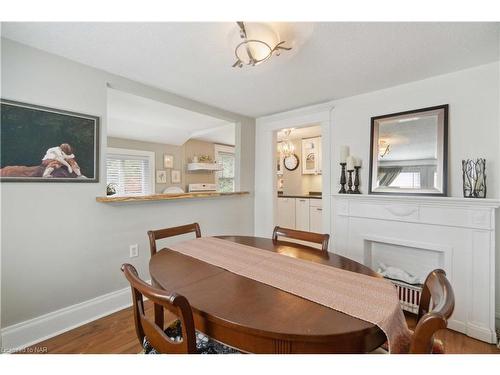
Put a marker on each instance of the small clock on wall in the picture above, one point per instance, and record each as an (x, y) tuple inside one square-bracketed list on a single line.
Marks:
[(291, 162)]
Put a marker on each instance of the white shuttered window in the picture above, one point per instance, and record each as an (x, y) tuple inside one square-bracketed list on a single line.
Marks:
[(131, 171)]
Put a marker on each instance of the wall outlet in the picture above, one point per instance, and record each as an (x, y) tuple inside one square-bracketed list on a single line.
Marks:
[(134, 250)]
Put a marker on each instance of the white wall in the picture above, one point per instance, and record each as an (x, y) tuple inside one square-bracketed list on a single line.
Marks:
[(59, 246), (473, 129)]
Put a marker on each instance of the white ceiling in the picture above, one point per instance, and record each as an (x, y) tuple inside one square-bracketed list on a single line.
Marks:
[(328, 60), (134, 117)]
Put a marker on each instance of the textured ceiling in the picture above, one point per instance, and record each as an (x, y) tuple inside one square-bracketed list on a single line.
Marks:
[(328, 60)]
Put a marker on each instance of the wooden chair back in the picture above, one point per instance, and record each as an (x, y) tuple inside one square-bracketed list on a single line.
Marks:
[(144, 326), (159, 234), (319, 238), (437, 303)]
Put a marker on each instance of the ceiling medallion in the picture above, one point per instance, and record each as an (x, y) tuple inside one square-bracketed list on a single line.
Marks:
[(255, 48)]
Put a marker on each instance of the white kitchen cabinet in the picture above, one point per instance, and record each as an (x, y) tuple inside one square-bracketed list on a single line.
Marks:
[(302, 214), (311, 155), (316, 216), (286, 212)]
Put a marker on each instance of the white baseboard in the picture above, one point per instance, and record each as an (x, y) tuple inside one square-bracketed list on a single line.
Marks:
[(41, 328)]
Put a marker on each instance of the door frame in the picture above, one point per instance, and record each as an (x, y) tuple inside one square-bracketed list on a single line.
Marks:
[(265, 174)]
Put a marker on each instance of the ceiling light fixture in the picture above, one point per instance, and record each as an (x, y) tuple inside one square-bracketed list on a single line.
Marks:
[(257, 45), (383, 148), (286, 146)]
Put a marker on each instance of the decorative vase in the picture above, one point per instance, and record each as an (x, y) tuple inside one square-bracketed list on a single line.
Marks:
[(474, 178)]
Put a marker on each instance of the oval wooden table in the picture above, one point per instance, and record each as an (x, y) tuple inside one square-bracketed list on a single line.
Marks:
[(258, 318)]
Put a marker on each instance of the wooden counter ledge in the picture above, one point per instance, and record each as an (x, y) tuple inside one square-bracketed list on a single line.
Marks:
[(165, 197)]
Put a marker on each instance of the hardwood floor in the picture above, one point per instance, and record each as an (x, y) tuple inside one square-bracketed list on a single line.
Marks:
[(115, 334)]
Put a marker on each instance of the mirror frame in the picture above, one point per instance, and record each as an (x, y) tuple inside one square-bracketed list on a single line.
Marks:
[(442, 156)]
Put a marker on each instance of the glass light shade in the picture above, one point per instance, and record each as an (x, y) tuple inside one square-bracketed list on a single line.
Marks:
[(287, 148)]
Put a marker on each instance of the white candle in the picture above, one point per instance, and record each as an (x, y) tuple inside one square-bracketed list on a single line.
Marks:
[(357, 163), (350, 163), (344, 153)]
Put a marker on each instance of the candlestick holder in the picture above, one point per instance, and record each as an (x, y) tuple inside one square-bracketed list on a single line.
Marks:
[(356, 181), (342, 179), (349, 182)]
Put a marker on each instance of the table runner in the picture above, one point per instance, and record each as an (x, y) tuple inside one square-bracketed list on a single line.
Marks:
[(365, 297)]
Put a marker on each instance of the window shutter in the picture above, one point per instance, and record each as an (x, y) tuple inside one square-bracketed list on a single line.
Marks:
[(131, 174)]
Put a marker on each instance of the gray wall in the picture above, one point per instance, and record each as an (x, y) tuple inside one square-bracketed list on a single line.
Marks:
[(159, 149), (59, 246)]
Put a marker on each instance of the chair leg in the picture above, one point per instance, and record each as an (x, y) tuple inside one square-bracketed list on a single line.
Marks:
[(159, 317)]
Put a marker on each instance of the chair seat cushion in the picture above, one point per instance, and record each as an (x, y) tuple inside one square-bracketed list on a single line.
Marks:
[(204, 343)]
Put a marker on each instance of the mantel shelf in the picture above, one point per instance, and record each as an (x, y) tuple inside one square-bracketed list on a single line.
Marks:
[(166, 197), (448, 201)]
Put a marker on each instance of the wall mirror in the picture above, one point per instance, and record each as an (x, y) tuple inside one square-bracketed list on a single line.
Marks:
[(409, 152)]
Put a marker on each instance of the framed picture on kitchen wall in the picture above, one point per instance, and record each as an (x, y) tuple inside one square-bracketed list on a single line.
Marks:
[(41, 144)]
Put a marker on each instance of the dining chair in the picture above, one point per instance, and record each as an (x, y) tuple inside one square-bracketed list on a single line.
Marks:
[(318, 238), (180, 337), (437, 303), (159, 234)]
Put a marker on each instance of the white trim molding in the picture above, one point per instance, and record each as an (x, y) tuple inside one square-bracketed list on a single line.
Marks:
[(30, 332), (265, 169)]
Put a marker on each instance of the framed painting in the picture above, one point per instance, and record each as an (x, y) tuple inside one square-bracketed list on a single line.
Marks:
[(41, 144)]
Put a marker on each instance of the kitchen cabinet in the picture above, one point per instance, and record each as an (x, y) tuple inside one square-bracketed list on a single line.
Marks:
[(311, 155), (316, 216), (302, 214), (286, 212)]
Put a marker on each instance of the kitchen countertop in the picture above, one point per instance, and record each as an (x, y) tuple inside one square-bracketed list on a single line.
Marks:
[(308, 196)]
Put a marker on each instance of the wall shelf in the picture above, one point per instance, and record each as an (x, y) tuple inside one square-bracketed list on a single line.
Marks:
[(210, 167), (164, 197)]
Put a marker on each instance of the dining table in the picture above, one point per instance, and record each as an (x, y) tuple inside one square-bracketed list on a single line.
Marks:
[(258, 318)]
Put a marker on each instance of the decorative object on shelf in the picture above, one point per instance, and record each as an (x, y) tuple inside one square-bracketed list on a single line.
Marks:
[(409, 152), (259, 43), (194, 159), (175, 176), (344, 153), (349, 182), (356, 179), (342, 179), (286, 147), (291, 162), (41, 144), (161, 177), (204, 159), (168, 161), (111, 188), (474, 178)]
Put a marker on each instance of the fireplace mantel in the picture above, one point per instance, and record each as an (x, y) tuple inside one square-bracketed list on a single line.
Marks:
[(460, 231), (432, 200)]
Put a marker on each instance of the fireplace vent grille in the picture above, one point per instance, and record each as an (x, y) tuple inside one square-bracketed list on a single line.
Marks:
[(409, 295)]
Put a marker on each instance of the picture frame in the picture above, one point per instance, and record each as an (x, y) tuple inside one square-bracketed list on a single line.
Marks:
[(43, 144), (168, 161), (409, 152), (176, 176), (161, 176)]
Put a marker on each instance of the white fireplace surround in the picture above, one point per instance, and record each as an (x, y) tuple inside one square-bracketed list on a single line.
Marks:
[(457, 234)]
